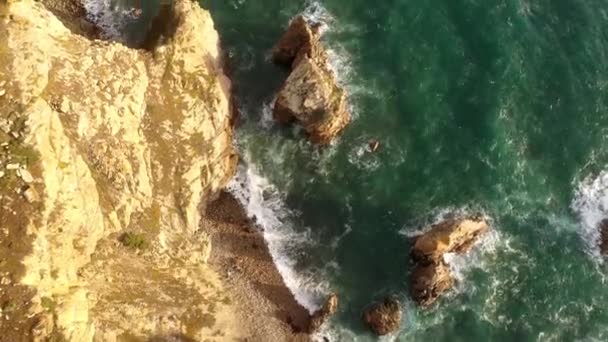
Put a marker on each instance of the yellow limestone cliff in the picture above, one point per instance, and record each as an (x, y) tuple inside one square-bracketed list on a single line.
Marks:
[(107, 155)]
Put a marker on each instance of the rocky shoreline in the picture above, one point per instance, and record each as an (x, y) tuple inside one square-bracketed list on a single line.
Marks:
[(150, 245), (264, 307)]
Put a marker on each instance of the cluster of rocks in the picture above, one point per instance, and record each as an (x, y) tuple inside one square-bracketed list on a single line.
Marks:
[(431, 277), (311, 94)]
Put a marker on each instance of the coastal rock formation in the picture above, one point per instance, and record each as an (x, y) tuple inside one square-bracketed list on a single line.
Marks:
[(324, 314), (430, 281), (384, 317), (98, 140), (450, 236), (432, 277), (311, 94), (296, 39)]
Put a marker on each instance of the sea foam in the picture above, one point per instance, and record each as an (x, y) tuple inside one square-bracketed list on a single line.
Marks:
[(591, 205), (264, 203), (111, 21)]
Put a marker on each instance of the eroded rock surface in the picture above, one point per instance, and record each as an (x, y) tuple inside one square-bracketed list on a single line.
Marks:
[(311, 94), (450, 236), (98, 140), (384, 317), (432, 277), (322, 315)]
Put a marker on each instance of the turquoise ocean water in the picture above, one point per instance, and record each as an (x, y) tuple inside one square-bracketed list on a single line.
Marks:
[(497, 106)]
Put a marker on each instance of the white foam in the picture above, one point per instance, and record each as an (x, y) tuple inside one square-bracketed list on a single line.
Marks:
[(109, 18), (591, 205), (316, 13), (266, 119), (340, 61), (264, 203)]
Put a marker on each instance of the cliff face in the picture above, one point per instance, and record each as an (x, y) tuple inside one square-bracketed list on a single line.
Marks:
[(107, 155)]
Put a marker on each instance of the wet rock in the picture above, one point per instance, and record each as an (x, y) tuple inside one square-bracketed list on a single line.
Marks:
[(324, 314), (432, 277), (374, 145), (450, 236), (298, 35), (384, 317), (429, 282), (311, 94)]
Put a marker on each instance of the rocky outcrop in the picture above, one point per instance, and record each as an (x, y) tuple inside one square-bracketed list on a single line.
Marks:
[(430, 281), (99, 140), (384, 317), (311, 94), (432, 277), (322, 315)]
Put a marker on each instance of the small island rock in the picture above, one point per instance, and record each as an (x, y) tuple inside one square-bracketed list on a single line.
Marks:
[(384, 317), (311, 94), (450, 236), (432, 277)]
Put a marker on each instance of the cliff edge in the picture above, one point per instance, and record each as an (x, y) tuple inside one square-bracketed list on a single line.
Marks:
[(107, 157)]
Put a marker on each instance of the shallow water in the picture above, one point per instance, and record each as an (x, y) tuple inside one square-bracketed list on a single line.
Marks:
[(496, 106)]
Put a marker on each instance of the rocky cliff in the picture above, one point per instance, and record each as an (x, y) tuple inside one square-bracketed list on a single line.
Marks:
[(107, 155)]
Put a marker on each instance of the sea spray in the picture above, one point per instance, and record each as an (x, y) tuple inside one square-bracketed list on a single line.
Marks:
[(110, 20), (264, 203), (591, 205)]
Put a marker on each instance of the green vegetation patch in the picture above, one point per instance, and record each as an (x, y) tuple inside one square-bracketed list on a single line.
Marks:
[(48, 304), (133, 240)]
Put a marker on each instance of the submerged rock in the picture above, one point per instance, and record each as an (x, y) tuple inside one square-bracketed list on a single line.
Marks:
[(311, 94), (324, 314), (432, 277), (384, 317)]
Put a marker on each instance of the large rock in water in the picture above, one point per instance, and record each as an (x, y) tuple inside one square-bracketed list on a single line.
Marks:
[(429, 282), (324, 314), (450, 236), (311, 94), (99, 139), (298, 35), (432, 277), (385, 317)]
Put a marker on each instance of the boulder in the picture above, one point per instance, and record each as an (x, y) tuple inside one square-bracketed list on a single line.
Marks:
[(298, 35), (429, 282), (384, 317), (432, 277), (450, 236), (603, 242), (311, 94), (322, 315)]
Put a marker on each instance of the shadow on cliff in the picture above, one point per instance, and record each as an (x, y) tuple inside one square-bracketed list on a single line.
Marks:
[(73, 15)]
